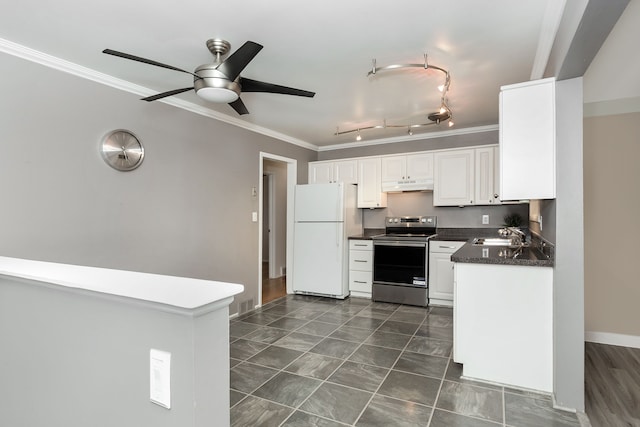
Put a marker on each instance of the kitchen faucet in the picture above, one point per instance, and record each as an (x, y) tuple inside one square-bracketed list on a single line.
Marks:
[(518, 236)]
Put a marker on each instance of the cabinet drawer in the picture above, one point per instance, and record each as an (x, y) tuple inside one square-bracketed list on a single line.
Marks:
[(443, 246), (361, 245), (360, 281), (361, 260)]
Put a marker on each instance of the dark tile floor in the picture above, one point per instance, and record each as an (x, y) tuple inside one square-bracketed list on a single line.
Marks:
[(309, 361)]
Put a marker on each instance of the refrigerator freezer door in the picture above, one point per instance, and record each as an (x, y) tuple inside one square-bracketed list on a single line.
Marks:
[(319, 202), (318, 262)]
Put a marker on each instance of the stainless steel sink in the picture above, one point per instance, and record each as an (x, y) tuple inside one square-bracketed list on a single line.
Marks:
[(494, 241)]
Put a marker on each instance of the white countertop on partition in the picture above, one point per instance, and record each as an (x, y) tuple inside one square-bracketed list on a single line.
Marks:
[(180, 292)]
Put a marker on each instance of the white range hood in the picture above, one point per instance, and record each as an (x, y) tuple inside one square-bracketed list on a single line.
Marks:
[(407, 185)]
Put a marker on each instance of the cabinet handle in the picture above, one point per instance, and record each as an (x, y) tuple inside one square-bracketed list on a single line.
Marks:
[(447, 247), (495, 196), (359, 281), (359, 260), (358, 244)]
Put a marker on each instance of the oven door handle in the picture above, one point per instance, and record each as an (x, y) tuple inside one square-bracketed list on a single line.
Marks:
[(397, 243)]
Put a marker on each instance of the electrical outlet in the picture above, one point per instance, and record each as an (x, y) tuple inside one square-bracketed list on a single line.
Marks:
[(485, 219)]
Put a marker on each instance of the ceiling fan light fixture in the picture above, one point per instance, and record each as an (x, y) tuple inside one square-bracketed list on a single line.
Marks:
[(217, 94)]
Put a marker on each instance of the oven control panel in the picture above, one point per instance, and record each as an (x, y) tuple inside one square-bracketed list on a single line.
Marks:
[(411, 221)]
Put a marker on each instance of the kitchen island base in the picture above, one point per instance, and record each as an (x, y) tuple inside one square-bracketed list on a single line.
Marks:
[(503, 324), (79, 347)]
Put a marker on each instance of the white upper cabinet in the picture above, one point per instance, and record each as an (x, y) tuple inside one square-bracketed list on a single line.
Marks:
[(346, 171), (394, 168), (528, 141), (486, 192), (325, 172), (454, 178), (420, 166), (320, 172), (411, 171), (370, 193)]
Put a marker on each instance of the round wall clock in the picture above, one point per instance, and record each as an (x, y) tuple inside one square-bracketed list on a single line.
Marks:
[(122, 150)]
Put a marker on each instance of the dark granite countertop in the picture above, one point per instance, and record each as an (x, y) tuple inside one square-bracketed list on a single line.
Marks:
[(367, 234), (530, 255), (502, 255)]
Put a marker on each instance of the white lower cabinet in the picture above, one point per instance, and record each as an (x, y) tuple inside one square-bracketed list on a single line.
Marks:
[(503, 324), (441, 272), (360, 267)]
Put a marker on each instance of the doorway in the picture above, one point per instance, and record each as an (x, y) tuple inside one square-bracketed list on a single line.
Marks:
[(278, 179)]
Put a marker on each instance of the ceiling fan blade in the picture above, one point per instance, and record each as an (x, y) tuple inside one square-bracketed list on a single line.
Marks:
[(249, 85), (146, 61), (239, 106), (165, 94), (235, 63)]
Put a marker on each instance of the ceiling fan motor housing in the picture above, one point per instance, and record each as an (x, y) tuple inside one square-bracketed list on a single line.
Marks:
[(214, 86)]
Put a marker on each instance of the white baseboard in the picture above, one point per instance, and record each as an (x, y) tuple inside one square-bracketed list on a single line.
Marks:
[(613, 339)]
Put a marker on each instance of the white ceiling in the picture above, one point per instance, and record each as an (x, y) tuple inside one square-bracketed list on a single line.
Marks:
[(326, 47)]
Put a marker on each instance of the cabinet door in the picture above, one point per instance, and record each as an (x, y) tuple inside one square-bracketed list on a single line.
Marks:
[(346, 171), (440, 276), (370, 193), (394, 168), (420, 166), (485, 176), (454, 178), (320, 172), (527, 141), (496, 176)]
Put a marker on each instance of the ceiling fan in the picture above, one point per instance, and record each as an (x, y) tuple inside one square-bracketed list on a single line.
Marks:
[(220, 81)]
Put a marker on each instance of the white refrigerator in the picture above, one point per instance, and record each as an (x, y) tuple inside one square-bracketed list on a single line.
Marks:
[(325, 216)]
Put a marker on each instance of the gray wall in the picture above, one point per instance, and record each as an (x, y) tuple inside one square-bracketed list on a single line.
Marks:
[(186, 211), (74, 359), (453, 141), (568, 275)]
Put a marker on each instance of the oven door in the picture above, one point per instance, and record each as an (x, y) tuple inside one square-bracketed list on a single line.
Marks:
[(400, 263)]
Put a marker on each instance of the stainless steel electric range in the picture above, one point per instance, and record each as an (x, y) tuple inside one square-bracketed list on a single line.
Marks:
[(401, 260)]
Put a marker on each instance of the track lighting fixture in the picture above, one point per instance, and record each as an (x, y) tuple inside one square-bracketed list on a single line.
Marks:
[(444, 114)]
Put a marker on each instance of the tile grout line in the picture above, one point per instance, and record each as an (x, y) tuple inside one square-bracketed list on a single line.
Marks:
[(278, 372), (392, 365), (338, 367), (334, 308)]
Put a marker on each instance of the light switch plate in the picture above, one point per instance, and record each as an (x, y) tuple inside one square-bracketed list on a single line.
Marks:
[(160, 378), (485, 219), (254, 216)]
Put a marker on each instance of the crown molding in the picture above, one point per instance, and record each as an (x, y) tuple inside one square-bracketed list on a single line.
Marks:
[(612, 107), (56, 63), (416, 137)]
